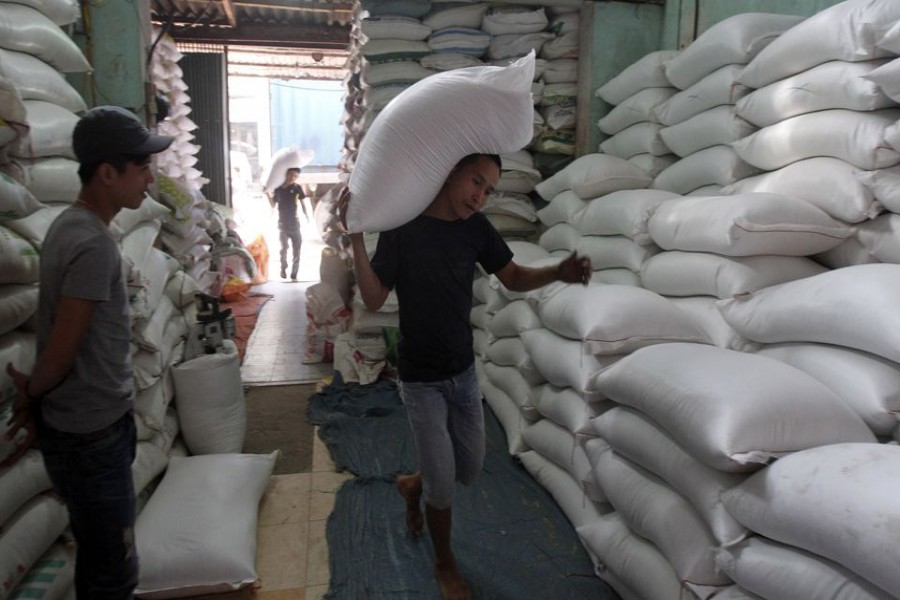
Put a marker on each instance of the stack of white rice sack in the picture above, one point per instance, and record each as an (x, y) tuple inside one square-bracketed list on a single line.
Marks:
[(726, 438)]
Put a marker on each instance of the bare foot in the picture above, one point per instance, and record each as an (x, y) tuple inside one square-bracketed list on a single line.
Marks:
[(410, 487), (452, 585)]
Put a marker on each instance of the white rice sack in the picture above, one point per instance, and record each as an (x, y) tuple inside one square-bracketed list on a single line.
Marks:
[(18, 302), (847, 31), (856, 137), (716, 165), (197, 533), (384, 50), (634, 567), (285, 158), (447, 61), (745, 225), (835, 84), (561, 236), (376, 98), (511, 352), (561, 361), (36, 80), (50, 129), (702, 310), (564, 45), (19, 259), (518, 182), (26, 29), (646, 72), (16, 201), (567, 492), (626, 212), (22, 481), (513, 319), (735, 40), (61, 12), (506, 411), (34, 227), (656, 512), (852, 307), (641, 441), (678, 273), (653, 165), (884, 184), (127, 219), (732, 410), (52, 179), (881, 237), (393, 73), (798, 501), (476, 110), (53, 575), (594, 175), (832, 184), (27, 535), (716, 89), (567, 407), (778, 571), (848, 253), (557, 444), (510, 381), (615, 319), (558, 94), (634, 109), (616, 277), (211, 404), (869, 384), (561, 208), (394, 27), (716, 126), (886, 78), (464, 40), (891, 39), (640, 138), (614, 251), (560, 116), (456, 15), (561, 70), (507, 20)]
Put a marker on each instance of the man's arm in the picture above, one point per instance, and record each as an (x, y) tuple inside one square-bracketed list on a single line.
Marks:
[(518, 278), (370, 287)]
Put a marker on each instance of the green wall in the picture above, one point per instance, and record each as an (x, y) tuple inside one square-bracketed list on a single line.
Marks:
[(616, 34)]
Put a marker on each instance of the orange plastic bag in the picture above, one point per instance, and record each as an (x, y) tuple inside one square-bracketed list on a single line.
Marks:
[(259, 250)]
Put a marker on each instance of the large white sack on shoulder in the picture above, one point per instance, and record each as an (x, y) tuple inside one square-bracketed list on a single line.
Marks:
[(735, 40), (716, 165), (26, 29), (716, 89), (847, 31), (634, 109), (783, 572), (593, 175), (197, 533), (507, 412), (881, 237), (642, 441), (869, 384), (557, 444), (656, 512), (625, 212), (677, 273), (630, 564), (749, 224), (799, 500), (703, 311), (211, 404), (421, 135), (561, 208), (569, 408), (712, 127), (615, 319), (36, 80), (734, 411), (614, 251), (285, 158), (646, 72), (653, 165), (640, 138), (835, 84), (832, 184), (565, 490), (885, 185), (852, 306), (561, 361), (856, 137)]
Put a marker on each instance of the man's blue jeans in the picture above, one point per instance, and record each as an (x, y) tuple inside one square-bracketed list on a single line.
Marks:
[(92, 474)]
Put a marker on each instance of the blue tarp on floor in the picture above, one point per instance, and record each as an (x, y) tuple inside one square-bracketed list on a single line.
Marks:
[(510, 538)]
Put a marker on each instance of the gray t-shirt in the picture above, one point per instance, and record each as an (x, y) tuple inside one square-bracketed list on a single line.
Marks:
[(80, 259)]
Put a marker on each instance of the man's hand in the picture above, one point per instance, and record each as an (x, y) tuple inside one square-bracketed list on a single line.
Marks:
[(575, 269), (342, 204), (21, 419)]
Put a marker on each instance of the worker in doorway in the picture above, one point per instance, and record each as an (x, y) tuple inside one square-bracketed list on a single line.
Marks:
[(286, 197), (430, 261), (78, 400)]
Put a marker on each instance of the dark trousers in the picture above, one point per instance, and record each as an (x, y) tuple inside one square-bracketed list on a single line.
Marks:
[(291, 236), (92, 474)]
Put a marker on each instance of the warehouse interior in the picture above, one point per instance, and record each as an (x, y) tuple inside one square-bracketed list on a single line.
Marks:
[(712, 414)]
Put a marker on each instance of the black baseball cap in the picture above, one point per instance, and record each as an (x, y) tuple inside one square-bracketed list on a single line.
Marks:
[(105, 132)]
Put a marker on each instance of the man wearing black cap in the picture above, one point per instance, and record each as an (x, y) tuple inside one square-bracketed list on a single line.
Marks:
[(78, 399)]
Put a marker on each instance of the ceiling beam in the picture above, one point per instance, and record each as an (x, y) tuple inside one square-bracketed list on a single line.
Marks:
[(293, 36)]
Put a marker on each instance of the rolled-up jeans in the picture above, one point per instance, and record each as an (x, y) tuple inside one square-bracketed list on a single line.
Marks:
[(92, 474), (447, 419)]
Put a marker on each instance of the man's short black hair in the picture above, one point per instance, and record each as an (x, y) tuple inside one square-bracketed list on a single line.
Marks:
[(473, 157)]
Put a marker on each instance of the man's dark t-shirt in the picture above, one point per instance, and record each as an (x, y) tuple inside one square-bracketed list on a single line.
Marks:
[(431, 264), (286, 198)]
